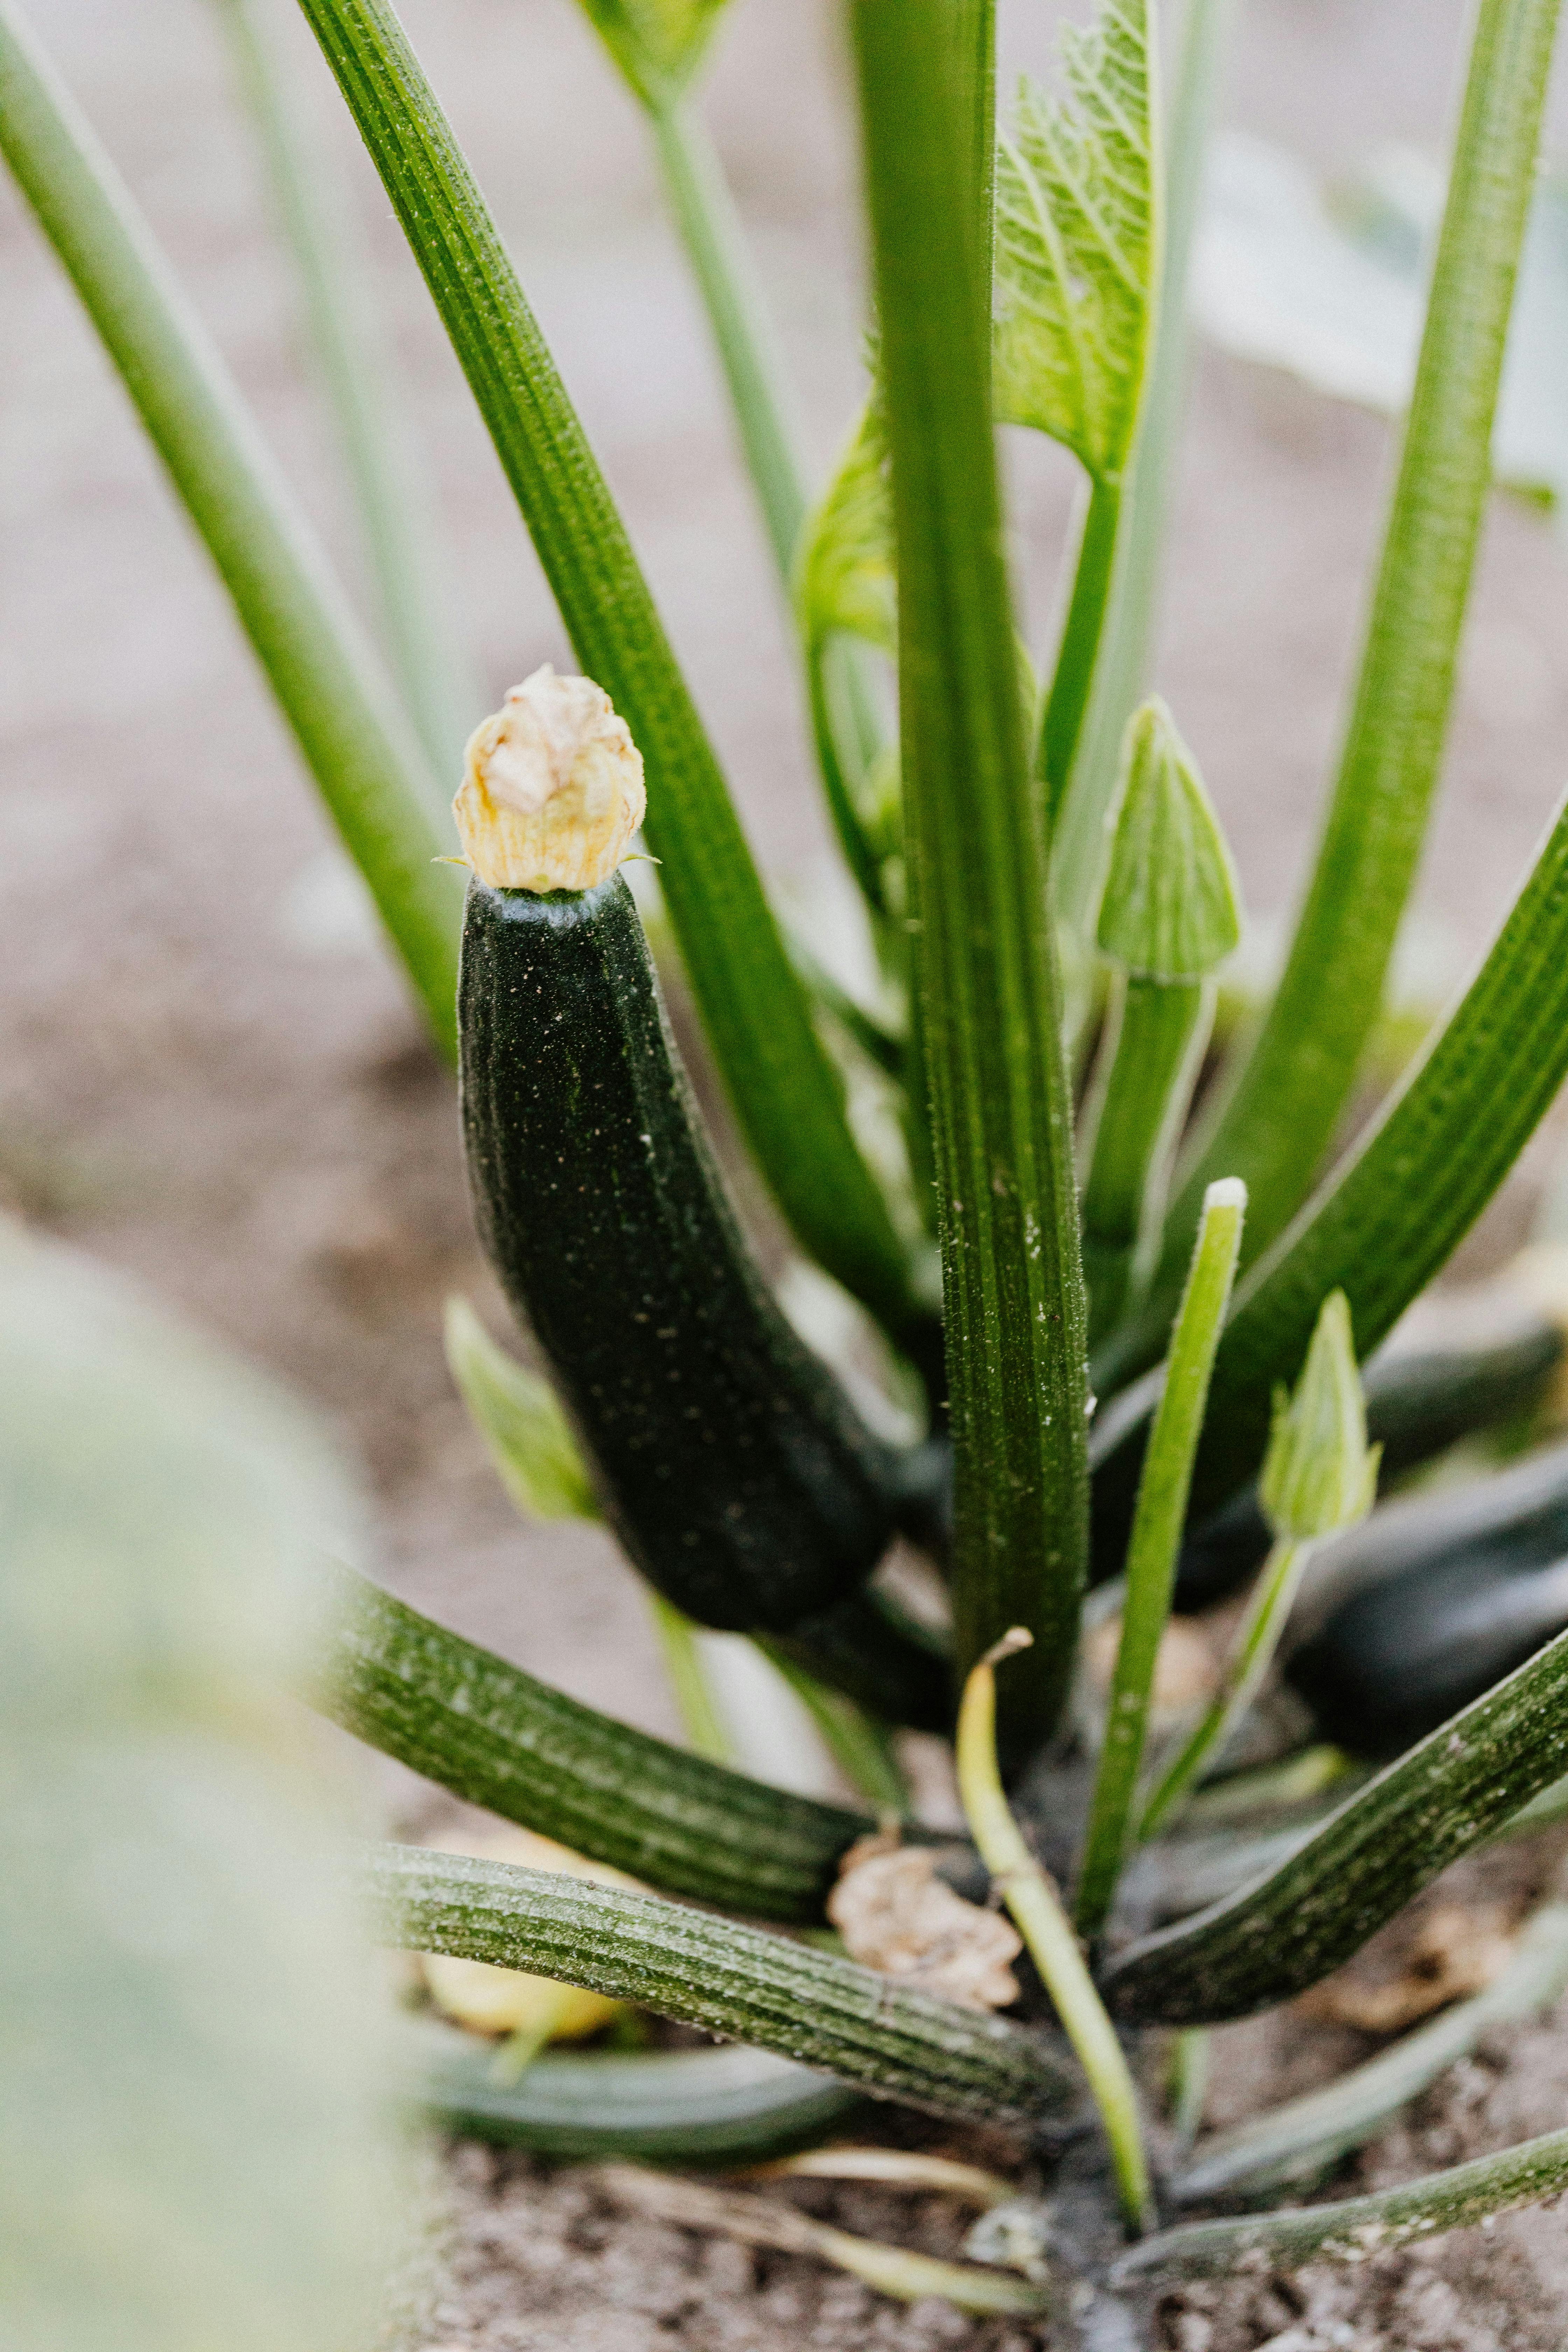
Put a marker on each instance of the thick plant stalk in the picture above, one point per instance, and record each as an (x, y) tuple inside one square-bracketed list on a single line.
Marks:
[(330, 685), (442, 698), (1291, 1928), (1395, 1208), (497, 1737), (786, 1095), (1281, 1115), (1390, 1215), (1156, 1542), (1361, 2226), (991, 1031), (1298, 2140), (736, 1981), (1048, 1933)]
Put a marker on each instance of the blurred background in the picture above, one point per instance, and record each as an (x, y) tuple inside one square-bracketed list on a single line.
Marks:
[(210, 1075)]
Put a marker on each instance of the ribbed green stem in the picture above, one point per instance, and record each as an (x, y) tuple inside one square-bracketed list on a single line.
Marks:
[(444, 702), (495, 1737), (1393, 1212), (1072, 681), (1444, 1797), (1122, 672), (974, 34), (1360, 2226), (331, 690), (1298, 2140), (1153, 1553), (990, 1022), (1047, 1932), (1155, 1032), (1282, 1115), (1249, 1662), (787, 1096), (736, 1981)]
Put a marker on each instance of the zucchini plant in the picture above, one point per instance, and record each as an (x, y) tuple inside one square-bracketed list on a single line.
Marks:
[(1027, 270)]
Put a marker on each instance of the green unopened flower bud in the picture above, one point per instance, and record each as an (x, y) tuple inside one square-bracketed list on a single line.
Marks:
[(1170, 909), (1319, 1474)]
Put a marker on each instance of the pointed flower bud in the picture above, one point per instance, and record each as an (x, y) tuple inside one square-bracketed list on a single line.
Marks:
[(553, 788), (1170, 909), (1319, 1474)]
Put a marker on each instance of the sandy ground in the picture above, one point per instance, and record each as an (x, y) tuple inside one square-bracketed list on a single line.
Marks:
[(211, 1077)]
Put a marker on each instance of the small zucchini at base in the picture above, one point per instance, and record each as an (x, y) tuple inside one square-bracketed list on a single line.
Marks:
[(1399, 1658), (717, 2108), (731, 1464)]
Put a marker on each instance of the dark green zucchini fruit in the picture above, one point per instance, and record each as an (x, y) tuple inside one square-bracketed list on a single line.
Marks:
[(729, 1461), (1417, 1404), (1409, 1621), (717, 2108), (1398, 1659)]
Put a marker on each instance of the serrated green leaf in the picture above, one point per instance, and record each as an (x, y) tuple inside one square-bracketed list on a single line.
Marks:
[(1170, 905), (658, 44), (846, 578), (519, 1418), (1078, 243)]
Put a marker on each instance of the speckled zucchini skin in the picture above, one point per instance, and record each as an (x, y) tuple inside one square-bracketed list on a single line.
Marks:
[(730, 1462)]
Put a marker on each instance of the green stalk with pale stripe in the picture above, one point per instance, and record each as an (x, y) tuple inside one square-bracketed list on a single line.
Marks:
[(1048, 1933)]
